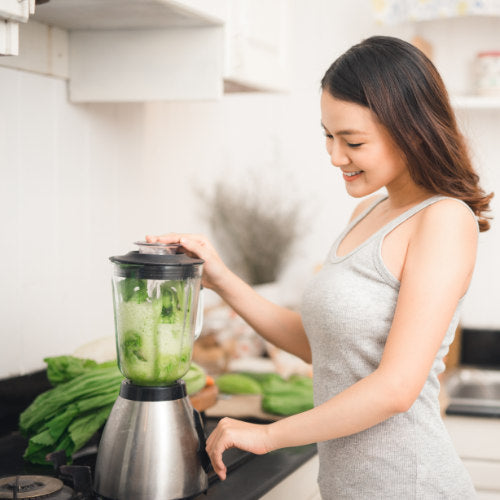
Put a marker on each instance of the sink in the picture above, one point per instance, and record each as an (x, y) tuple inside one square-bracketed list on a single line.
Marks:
[(488, 391), (474, 391)]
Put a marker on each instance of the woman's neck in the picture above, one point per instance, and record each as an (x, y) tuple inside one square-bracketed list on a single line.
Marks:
[(405, 196)]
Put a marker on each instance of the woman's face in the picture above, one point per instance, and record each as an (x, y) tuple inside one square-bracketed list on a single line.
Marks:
[(362, 148)]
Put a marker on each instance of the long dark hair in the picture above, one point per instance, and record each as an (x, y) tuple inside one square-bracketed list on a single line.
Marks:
[(402, 87)]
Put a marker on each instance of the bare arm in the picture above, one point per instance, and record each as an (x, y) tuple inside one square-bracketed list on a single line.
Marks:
[(280, 326), (437, 271)]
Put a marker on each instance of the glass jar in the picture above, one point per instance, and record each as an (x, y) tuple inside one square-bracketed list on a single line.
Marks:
[(158, 312), (488, 73)]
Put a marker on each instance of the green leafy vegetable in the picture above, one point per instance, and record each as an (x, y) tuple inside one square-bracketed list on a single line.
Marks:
[(133, 289), (237, 383), (279, 396), (288, 397), (132, 346), (63, 368), (195, 378), (172, 294), (68, 415)]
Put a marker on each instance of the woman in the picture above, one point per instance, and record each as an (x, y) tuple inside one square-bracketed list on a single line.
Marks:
[(379, 317)]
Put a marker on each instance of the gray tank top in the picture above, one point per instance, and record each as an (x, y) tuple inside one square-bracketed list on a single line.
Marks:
[(347, 312)]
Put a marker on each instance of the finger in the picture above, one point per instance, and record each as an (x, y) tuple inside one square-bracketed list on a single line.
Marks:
[(169, 238), (217, 463), (151, 239), (194, 246), (219, 468), (217, 442)]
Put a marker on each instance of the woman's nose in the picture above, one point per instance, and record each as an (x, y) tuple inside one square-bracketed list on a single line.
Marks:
[(338, 156)]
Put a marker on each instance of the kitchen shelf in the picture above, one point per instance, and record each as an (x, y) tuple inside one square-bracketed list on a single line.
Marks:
[(122, 14), (137, 50), (476, 102), (151, 50)]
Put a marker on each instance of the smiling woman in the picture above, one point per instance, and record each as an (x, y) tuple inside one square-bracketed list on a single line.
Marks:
[(378, 318), (361, 147), (403, 92)]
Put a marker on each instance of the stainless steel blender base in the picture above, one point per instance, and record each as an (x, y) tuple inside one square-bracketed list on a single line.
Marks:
[(150, 450)]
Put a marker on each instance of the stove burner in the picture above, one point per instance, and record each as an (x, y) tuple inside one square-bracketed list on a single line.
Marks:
[(31, 487)]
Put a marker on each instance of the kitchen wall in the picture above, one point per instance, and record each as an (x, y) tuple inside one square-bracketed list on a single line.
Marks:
[(82, 182)]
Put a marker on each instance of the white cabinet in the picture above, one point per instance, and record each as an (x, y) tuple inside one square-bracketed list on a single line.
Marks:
[(212, 9), (144, 50), (13, 12), (16, 10), (139, 50), (256, 45), (145, 65), (302, 484), (477, 441), (9, 38)]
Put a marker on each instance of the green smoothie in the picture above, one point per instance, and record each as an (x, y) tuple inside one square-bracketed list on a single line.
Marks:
[(154, 339)]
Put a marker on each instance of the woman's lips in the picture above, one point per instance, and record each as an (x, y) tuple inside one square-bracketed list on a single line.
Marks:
[(350, 178)]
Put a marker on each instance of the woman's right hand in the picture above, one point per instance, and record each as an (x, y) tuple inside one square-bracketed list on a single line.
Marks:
[(196, 245)]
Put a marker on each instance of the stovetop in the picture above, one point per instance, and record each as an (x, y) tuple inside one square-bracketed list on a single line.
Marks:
[(79, 475)]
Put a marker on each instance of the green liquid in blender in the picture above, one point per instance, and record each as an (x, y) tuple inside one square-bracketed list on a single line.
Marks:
[(154, 334)]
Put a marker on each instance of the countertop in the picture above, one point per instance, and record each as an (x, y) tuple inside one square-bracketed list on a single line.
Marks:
[(250, 476), (259, 474)]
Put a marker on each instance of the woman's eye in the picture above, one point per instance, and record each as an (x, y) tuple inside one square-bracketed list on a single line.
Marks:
[(328, 136), (351, 145)]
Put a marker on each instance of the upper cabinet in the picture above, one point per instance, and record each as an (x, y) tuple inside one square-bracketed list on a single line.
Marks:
[(13, 12), (144, 50), (256, 45), (130, 14)]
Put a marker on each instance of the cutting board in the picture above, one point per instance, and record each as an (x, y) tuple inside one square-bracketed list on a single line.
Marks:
[(240, 406), (205, 398)]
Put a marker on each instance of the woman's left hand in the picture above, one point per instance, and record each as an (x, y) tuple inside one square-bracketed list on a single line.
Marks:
[(231, 433)]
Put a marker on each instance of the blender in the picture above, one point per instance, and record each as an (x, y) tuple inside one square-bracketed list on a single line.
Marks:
[(153, 444)]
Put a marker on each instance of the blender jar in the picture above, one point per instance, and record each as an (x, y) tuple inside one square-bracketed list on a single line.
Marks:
[(157, 308)]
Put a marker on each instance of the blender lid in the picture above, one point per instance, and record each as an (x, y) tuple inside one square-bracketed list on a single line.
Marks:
[(157, 263), (156, 254), (158, 248), (135, 257)]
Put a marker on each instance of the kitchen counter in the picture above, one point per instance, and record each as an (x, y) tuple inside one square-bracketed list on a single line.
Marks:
[(476, 440), (249, 476), (259, 474), (475, 432)]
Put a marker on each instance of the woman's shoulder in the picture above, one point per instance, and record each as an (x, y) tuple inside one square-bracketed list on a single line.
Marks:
[(443, 245), (448, 221), (446, 211)]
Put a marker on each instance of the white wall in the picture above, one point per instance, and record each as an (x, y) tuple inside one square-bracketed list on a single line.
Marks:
[(82, 182)]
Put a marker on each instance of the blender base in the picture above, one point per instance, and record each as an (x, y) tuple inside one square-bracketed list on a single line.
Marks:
[(152, 447)]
